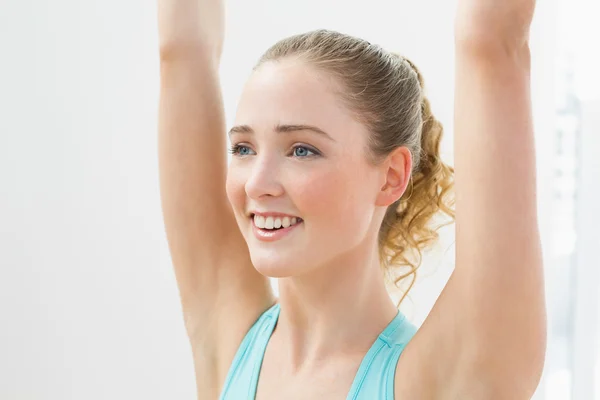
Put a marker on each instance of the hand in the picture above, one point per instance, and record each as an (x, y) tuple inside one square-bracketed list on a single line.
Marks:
[(494, 23)]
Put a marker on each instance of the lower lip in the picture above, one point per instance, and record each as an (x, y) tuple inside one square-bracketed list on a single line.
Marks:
[(272, 235)]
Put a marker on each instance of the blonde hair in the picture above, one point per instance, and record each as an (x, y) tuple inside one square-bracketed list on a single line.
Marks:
[(386, 93)]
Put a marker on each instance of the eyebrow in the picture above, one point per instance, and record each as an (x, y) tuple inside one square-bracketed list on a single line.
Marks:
[(238, 129)]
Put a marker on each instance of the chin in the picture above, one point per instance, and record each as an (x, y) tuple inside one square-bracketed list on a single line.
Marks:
[(274, 266)]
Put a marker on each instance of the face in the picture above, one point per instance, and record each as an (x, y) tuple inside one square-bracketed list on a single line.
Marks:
[(281, 166)]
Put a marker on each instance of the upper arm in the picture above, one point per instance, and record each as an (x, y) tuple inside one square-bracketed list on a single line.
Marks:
[(221, 293), (499, 270), (488, 326)]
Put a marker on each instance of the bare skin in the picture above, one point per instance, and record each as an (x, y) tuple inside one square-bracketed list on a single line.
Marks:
[(485, 337)]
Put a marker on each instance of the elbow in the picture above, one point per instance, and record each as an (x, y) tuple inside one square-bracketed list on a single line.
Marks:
[(167, 50)]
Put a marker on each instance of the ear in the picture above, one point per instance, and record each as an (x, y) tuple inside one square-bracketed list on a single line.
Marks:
[(396, 171)]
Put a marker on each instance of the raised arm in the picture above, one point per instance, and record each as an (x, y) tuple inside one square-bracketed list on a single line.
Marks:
[(221, 293), (492, 311)]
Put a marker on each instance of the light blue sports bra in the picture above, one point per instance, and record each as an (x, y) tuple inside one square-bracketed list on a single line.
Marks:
[(374, 379)]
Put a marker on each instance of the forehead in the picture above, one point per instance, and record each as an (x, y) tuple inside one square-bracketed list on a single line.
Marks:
[(293, 92)]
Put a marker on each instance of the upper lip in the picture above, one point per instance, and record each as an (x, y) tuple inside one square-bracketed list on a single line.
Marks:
[(272, 214)]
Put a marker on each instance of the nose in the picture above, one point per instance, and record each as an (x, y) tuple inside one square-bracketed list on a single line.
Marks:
[(263, 179)]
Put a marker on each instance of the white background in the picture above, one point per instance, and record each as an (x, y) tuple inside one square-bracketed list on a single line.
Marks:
[(88, 302)]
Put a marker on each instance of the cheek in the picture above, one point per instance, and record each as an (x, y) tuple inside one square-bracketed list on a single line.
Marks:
[(345, 203), (330, 196)]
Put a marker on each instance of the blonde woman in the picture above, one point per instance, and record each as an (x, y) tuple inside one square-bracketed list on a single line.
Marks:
[(334, 179)]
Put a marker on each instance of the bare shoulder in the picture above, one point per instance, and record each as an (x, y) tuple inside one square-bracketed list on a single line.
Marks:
[(447, 360), (223, 308)]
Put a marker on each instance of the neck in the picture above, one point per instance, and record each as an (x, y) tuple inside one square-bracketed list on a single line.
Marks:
[(337, 309)]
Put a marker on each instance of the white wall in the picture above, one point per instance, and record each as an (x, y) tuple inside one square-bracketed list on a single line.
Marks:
[(88, 302)]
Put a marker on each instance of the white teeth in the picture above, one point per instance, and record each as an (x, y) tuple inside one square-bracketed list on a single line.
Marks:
[(269, 223), (259, 221), (274, 223)]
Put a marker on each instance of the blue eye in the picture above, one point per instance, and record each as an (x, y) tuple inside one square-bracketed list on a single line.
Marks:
[(299, 151), (304, 149), (238, 149)]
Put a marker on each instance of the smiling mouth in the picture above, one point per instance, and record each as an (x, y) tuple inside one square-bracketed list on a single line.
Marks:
[(271, 224)]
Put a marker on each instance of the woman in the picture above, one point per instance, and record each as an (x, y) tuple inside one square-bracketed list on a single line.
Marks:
[(335, 144)]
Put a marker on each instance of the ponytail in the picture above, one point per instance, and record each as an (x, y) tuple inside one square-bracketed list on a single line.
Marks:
[(406, 229)]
